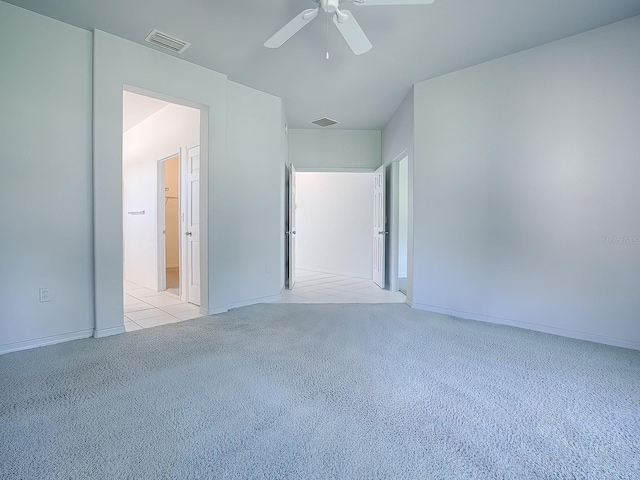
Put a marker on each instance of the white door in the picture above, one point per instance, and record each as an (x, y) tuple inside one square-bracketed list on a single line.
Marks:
[(379, 232), (291, 233), (192, 225)]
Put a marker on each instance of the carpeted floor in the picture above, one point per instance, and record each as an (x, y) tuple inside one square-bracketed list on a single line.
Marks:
[(307, 391)]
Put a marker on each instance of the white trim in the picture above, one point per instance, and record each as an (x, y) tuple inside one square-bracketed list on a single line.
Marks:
[(254, 301), (107, 332), (393, 221), (161, 269), (563, 332), (246, 303), (41, 342), (405, 153), (213, 311)]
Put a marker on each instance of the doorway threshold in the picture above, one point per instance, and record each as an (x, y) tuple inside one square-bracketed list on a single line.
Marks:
[(313, 286), (145, 308)]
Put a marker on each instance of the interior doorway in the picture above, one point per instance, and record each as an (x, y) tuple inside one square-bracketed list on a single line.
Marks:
[(331, 217), (161, 211), (398, 188)]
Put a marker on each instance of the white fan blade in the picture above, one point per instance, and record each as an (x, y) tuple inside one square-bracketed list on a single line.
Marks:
[(367, 3), (291, 28), (352, 33)]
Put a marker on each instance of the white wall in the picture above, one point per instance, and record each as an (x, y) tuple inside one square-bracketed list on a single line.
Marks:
[(334, 150), (251, 196), (159, 136), (45, 180), (334, 222), (46, 114), (397, 135), (241, 175), (118, 62), (523, 166)]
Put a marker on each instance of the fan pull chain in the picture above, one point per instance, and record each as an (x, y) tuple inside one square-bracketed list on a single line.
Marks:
[(327, 36)]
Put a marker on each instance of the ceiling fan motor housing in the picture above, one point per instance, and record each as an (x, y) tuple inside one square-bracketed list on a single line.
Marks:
[(329, 6)]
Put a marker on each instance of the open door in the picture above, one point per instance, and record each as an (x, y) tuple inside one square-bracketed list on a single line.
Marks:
[(192, 224), (291, 232), (379, 221)]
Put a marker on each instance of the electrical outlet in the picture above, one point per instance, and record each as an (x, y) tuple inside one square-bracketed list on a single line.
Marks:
[(44, 295)]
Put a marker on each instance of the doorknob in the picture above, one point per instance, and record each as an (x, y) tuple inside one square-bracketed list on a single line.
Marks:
[(383, 233), (187, 233), (291, 233)]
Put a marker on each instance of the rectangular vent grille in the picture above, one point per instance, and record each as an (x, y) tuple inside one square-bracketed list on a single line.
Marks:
[(168, 42), (324, 122)]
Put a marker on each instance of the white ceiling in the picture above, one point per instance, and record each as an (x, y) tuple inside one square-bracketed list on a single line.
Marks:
[(410, 43), (136, 108)]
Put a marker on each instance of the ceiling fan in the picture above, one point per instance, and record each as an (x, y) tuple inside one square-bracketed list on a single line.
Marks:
[(343, 19)]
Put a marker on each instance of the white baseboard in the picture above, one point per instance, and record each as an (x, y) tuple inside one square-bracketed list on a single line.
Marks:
[(213, 311), (244, 303), (41, 342), (107, 332), (563, 332)]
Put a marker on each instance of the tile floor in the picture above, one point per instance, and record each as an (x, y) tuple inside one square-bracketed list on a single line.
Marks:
[(318, 287), (144, 308)]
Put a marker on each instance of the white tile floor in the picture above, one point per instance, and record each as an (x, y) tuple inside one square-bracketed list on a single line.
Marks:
[(144, 308), (318, 287)]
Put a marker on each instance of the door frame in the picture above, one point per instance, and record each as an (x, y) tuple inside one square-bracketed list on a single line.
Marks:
[(393, 224), (298, 169), (203, 143), (290, 225)]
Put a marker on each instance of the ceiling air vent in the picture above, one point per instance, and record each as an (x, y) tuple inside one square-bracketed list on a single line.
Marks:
[(168, 42), (324, 122)]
